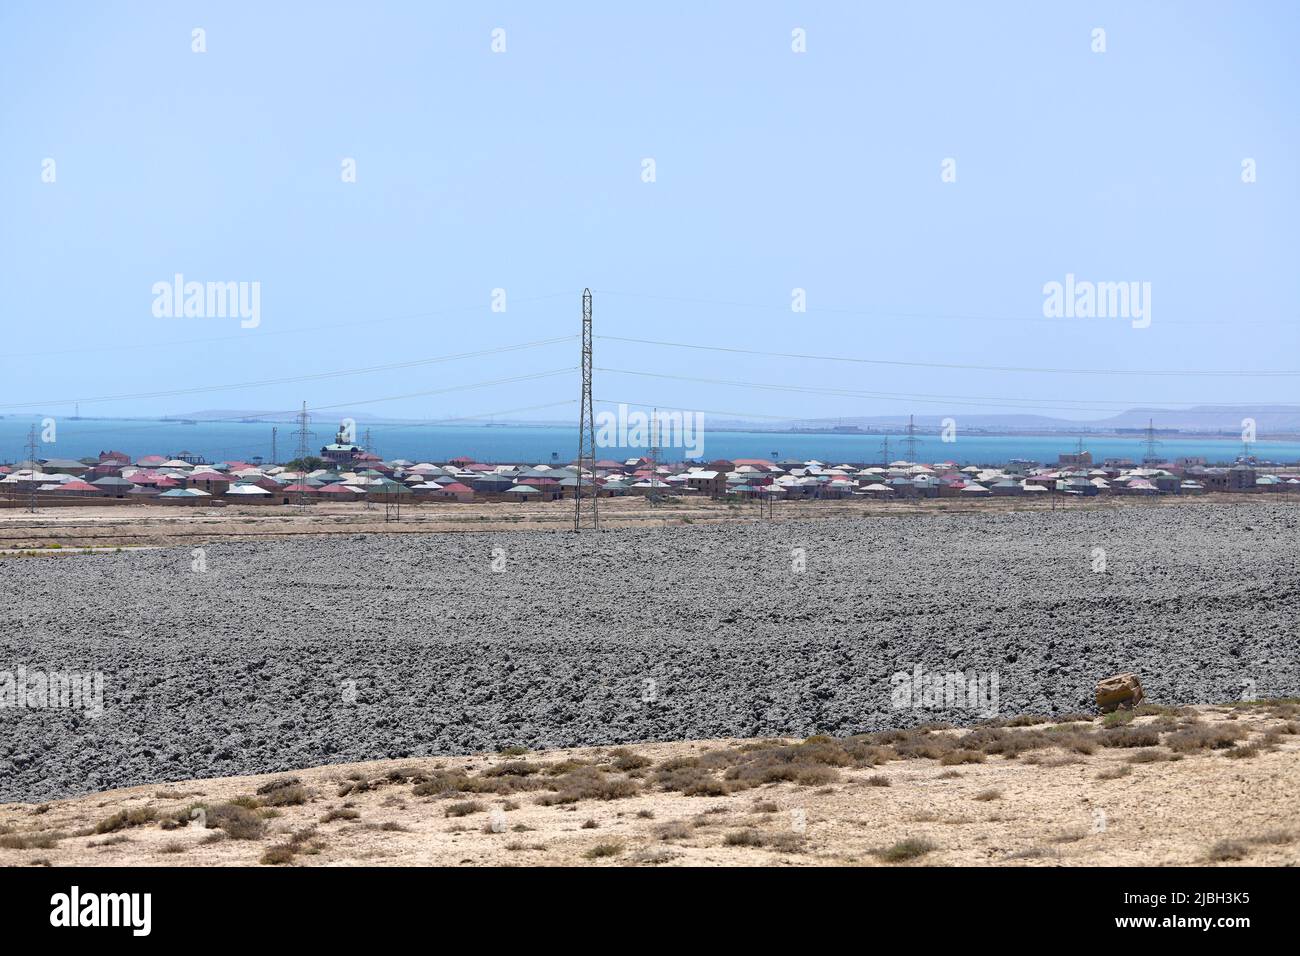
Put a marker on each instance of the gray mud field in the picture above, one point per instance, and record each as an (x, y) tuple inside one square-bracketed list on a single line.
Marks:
[(330, 649)]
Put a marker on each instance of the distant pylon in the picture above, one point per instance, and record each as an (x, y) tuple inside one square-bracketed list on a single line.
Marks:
[(910, 440), (31, 459), (586, 429), (304, 433), (1151, 442), (653, 462), (274, 432)]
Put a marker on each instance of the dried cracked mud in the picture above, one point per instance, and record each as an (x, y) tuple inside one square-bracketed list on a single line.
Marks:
[(283, 655)]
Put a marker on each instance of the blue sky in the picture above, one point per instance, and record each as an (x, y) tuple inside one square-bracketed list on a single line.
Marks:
[(522, 170)]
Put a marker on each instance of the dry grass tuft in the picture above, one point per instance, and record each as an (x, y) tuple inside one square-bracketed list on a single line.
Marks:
[(912, 848)]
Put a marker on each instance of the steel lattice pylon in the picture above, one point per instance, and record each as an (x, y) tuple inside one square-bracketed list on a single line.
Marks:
[(586, 430)]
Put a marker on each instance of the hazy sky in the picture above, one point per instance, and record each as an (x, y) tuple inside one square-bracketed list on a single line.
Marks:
[(523, 170)]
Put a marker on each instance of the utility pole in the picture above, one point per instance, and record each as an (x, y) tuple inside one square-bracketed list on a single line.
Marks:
[(586, 427), (274, 430), (31, 458)]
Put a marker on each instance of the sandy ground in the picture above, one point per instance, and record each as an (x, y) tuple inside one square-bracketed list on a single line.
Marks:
[(152, 525), (1044, 807)]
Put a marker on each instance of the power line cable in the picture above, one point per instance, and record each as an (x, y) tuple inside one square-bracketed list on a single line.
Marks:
[(263, 333), (892, 314), (855, 393), (317, 376), (953, 365)]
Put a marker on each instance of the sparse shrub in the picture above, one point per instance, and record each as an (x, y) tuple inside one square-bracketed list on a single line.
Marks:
[(1146, 756), (747, 837), (126, 818), (1114, 773), (513, 768), (279, 854), (239, 823), (30, 841), (1130, 737), (673, 830), (288, 796), (626, 760), (1227, 850), (911, 848), (339, 814), (589, 783), (1202, 737), (986, 795), (601, 850), (464, 808), (589, 824), (878, 780), (961, 756), (279, 783)]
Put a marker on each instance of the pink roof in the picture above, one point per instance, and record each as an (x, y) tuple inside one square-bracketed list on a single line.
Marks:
[(77, 486), (209, 476), (457, 487), (338, 490)]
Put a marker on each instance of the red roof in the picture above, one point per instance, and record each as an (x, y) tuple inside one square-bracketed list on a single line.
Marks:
[(457, 487), (77, 486), (209, 476), (338, 490)]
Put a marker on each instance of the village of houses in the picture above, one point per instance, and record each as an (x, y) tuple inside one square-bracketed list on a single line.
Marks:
[(349, 473)]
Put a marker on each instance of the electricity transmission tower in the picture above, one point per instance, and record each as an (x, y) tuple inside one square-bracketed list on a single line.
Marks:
[(274, 431), (304, 433), (910, 440), (586, 429), (653, 463), (1150, 442), (31, 459), (884, 450)]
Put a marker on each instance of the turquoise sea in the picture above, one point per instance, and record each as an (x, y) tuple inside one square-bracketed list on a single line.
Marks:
[(223, 440)]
